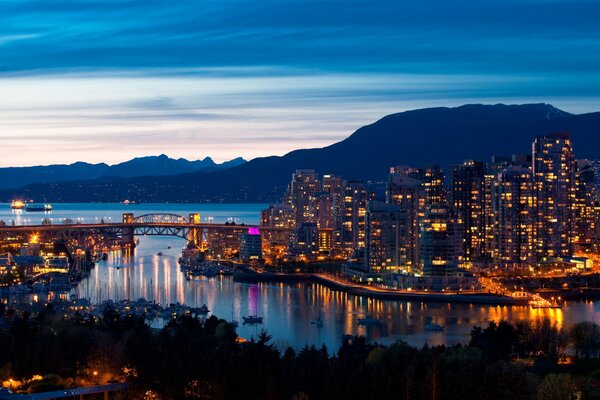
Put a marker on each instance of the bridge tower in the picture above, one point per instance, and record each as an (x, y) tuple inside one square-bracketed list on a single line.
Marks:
[(194, 234), (128, 237)]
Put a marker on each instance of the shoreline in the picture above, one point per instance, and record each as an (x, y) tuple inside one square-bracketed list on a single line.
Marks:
[(381, 294)]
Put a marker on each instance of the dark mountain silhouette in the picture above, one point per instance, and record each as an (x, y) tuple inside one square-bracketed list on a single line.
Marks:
[(142, 166), (441, 135)]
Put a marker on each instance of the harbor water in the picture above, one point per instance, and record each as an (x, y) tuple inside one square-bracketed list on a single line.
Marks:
[(288, 309)]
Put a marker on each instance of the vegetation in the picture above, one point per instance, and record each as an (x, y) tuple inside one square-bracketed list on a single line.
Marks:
[(194, 359)]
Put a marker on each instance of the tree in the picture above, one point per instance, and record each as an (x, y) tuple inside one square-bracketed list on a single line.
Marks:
[(585, 337)]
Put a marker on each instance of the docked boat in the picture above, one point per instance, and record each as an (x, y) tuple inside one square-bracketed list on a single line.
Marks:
[(17, 205), (37, 207), (201, 310), (369, 321), (544, 304), (539, 302), (433, 327), (253, 319), (318, 322)]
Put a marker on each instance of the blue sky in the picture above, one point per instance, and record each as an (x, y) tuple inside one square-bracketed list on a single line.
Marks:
[(110, 80)]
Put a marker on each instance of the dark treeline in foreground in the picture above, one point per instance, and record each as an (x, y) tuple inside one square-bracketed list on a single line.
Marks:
[(202, 360)]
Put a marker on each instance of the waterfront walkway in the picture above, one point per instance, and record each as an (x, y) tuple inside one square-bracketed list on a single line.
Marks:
[(382, 293)]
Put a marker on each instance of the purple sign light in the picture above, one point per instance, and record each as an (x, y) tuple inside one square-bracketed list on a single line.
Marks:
[(253, 231)]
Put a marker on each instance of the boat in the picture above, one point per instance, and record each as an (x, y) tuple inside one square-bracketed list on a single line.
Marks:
[(253, 319), (37, 207), (368, 321), (433, 327), (201, 310), (546, 304), (159, 253), (539, 302), (17, 205), (318, 322)]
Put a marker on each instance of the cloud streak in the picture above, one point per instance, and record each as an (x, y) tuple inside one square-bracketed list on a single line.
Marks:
[(236, 77)]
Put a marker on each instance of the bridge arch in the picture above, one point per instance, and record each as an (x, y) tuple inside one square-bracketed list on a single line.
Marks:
[(165, 218)]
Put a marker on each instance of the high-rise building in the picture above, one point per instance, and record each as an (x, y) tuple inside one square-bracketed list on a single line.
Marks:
[(514, 206), (353, 211), (330, 208), (432, 178), (332, 195), (554, 188), (277, 241), (302, 196), (585, 216), (468, 199), (384, 224), (441, 251), (407, 193), (278, 216), (250, 245)]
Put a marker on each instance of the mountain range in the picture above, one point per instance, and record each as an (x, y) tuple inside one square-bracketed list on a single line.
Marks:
[(15, 177), (441, 135)]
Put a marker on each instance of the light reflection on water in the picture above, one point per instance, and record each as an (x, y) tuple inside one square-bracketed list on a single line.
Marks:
[(288, 309)]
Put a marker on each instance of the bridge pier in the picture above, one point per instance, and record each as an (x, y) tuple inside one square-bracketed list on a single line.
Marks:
[(194, 235), (128, 233)]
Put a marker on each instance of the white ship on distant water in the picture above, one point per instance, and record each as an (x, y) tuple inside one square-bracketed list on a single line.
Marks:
[(37, 207)]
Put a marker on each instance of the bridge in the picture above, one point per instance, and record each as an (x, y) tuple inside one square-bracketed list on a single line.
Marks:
[(101, 235)]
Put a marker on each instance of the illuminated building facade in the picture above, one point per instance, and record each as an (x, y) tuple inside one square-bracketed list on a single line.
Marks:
[(441, 250), (514, 203), (384, 224), (585, 209), (301, 196), (250, 245), (407, 193), (278, 216), (554, 187), (468, 200), (432, 178), (353, 213)]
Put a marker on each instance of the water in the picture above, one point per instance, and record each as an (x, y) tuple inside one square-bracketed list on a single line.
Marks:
[(288, 309)]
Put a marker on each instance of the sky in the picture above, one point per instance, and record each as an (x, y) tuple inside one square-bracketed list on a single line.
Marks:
[(106, 81)]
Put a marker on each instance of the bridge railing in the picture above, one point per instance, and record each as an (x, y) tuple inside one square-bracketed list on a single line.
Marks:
[(33, 221)]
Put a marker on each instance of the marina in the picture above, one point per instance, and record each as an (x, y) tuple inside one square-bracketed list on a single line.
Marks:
[(291, 310)]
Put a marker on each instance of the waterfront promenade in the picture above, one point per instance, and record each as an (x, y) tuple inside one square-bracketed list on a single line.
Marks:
[(378, 292)]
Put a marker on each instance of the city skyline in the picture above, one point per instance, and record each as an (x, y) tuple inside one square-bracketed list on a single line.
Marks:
[(268, 78)]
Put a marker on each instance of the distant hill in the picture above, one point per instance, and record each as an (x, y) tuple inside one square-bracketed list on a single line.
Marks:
[(161, 165), (441, 135)]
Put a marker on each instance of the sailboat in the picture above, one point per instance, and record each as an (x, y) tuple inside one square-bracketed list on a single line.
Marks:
[(233, 322), (253, 319), (318, 322)]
